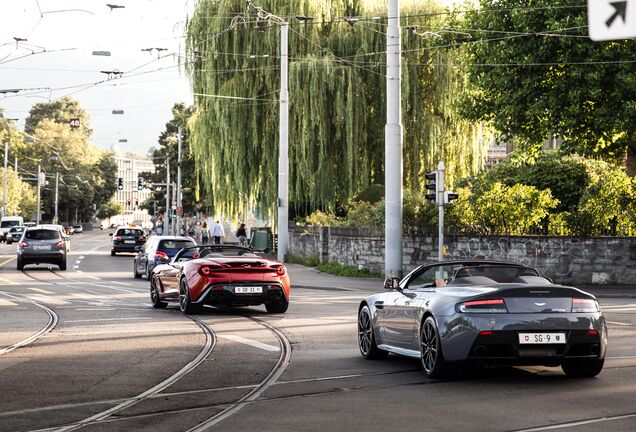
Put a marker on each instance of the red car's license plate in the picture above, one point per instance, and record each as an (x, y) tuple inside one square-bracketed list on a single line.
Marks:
[(248, 290)]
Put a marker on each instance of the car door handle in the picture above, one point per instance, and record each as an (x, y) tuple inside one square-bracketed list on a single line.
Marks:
[(379, 305)]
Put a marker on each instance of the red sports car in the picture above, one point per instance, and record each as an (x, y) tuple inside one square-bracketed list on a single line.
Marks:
[(220, 275)]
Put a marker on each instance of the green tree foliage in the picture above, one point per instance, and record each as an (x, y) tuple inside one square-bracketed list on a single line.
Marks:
[(194, 197), (337, 89), (21, 199), (109, 209), (86, 175), (533, 71)]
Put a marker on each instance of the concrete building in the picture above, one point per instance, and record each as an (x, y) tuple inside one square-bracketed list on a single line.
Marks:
[(130, 197)]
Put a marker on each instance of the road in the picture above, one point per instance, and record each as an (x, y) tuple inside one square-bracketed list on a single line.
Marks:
[(84, 350)]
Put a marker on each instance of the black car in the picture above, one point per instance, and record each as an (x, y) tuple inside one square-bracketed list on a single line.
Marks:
[(126, 239), (158, 250)]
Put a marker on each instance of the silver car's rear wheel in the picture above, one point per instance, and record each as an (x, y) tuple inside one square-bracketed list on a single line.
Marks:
[(432, 357), (366, 338), (185, 303), (154, 295)]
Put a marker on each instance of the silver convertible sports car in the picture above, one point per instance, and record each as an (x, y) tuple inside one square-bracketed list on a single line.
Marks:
[(452, 313)]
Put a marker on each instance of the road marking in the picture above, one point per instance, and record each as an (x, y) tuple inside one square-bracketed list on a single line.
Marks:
[(7, 261), (81, 257), (41, 291), (96, 309), (619, 323), (579, 423), (250, 342), (120, 283), (107, 319), (5, 280), (4, 302), (154, 330), (45, 299)]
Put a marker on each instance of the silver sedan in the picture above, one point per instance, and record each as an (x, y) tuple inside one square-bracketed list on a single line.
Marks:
[(452, 313)]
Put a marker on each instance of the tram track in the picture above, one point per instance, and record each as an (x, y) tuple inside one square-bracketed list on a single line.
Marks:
[(53, 320)]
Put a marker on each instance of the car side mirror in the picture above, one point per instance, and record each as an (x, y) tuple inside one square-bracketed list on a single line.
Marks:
[(392, 283)]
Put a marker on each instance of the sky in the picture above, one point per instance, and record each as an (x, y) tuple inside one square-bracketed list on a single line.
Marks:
[(70, 31)]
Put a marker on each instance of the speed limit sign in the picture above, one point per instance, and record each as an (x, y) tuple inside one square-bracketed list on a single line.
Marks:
[(75, 123)]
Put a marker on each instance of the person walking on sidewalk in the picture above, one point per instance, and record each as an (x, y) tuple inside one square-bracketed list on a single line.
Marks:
[(218, 232), (241, 233), (205, 233)]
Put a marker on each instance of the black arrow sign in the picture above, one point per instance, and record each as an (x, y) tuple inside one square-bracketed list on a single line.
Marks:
[(620, 11)]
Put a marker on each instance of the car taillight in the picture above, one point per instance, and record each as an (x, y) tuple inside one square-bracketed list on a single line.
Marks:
[(280, 270), (23, 244), (483, 306), (117, 238), (161, 255), (60, 244), (207, 270), (580, 305)]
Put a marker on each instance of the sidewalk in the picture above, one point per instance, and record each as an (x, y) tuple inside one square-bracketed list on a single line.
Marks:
[(309, 278)]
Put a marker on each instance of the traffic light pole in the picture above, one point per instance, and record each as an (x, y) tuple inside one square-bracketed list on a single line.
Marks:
[(37, 209), (440, 205), (166, 215), (179, 184)]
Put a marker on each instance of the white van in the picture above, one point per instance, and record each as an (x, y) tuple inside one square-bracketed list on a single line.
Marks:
[(7, 222)]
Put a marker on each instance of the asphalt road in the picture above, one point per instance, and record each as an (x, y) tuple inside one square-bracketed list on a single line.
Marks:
[(83, 349)]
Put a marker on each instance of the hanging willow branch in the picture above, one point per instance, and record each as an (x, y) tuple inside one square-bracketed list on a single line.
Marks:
[(337, 104)]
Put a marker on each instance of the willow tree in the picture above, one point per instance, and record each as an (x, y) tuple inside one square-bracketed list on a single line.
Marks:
[(337, 84)]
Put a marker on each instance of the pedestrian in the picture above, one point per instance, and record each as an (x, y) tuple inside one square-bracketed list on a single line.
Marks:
[(197, 232), (218, 232), (205, 233), (241, 233)]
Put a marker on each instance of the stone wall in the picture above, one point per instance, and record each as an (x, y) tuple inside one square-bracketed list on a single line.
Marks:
[(596, 260)]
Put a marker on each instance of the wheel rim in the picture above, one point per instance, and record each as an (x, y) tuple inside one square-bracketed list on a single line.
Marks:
[(183, 296), (365, 332), (430, 346), (154, 295)]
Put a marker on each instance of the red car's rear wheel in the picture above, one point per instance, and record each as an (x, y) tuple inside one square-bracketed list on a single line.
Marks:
[(185, 303)]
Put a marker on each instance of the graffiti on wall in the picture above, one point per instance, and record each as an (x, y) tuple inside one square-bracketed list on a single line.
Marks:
[(551, 256)]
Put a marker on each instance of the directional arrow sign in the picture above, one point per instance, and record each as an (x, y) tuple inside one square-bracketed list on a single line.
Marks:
[(611, 19)]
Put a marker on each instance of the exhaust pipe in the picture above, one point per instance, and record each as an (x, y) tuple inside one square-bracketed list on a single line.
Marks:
[(480, 350), (594, 349)]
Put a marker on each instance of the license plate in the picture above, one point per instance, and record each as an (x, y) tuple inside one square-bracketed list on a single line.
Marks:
[(248, 290), (541, 338), (41, 247), (130, 241)]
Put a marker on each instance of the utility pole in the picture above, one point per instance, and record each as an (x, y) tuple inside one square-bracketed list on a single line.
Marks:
[(175, 228), (440, 205), (37, 209), (283, 148), (166, 216), (57, 185), (179, 181), (393, 145), (4, 187)]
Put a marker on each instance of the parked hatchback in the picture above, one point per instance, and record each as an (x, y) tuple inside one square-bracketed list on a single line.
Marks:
[(126, 239), (158, 250), (41, 245)]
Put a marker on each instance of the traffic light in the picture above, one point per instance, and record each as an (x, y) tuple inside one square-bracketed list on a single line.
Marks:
[(140, 183), (120, 183), (431, 185), (174, 213), (449, 196)]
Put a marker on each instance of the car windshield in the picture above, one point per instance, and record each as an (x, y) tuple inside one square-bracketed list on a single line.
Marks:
[(171, 247), (440, 275), (9, 223), (130, 231), (43, 234)]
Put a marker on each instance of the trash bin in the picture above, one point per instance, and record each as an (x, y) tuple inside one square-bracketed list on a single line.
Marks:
[(261, 239)]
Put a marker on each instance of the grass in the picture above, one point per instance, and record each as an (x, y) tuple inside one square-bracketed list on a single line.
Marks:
[(335, 269)]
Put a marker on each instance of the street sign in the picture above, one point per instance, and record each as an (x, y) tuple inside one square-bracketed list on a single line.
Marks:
[(75, 123), (611, 19)]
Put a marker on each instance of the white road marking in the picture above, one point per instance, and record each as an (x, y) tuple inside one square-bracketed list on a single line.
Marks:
[(5, 281), (155, 330), (107, 319), (579, 423), (96, 309), (4, 302), (250, 342), (41, 291), (619, 323), (120, 283), (81, 257), (47, 299), (94, 277)]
